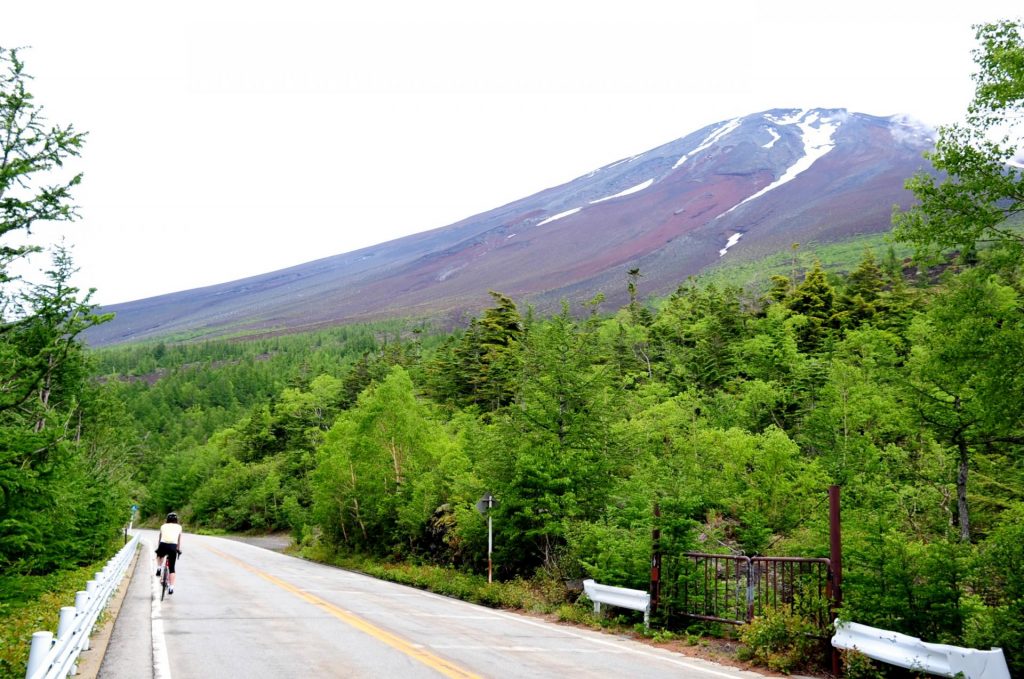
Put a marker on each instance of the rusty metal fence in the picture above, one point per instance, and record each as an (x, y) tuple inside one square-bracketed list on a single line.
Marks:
[(735, 589)]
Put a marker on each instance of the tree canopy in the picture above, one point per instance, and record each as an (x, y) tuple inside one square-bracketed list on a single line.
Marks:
[(980, 190)]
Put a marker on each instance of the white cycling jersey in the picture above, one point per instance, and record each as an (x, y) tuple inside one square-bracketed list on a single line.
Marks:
[(170, 532)]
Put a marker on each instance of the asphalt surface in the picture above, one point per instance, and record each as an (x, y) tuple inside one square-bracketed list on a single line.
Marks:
[(243, 611), (130, 649)]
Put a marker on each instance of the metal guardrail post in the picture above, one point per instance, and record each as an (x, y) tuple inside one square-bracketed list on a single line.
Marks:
[(67, 621), (42, 642)]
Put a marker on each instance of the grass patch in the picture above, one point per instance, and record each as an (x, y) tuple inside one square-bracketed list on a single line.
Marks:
[(527, 595), (32, 603), (754, 275)]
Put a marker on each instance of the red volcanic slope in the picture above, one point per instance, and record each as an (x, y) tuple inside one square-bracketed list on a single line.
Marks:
[(823, 175)]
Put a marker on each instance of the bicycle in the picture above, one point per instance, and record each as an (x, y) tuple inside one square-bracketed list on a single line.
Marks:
[(165, 572)]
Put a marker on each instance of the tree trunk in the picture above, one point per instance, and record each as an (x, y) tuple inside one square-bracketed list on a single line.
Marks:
[(396, 461), (355, 502), (341, 521), (44, 396), (961, 490)]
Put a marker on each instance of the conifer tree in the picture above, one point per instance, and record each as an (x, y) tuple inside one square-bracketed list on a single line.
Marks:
[(858, 302), (697, 334), (814, 300), (42, 369), (482, 367), (557, 446)]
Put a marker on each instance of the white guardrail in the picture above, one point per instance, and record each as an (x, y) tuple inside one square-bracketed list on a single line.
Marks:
[(633, 599), (50, 657), (913, 654)]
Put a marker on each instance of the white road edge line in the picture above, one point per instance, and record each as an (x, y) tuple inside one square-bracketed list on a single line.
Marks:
[(161, 664)]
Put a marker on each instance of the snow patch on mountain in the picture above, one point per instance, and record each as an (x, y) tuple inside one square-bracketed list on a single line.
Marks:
[(633, 189), (560, 215), (775, 137), (611, 165), (715, 135), (793, 118), (733, 239), (906, 129), (816, 134), (449, 272)]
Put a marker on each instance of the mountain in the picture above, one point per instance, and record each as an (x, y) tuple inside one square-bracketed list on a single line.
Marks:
[(744, 187)]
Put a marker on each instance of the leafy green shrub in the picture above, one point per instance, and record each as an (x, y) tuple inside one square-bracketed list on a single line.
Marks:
[(663, 635), (618, 555), (579, 613), (518, 593), (779, 640), (906, 585), (295, 516), (856, 665), (999, 576)]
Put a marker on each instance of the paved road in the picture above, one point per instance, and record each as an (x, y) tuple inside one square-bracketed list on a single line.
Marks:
[(243, 611)]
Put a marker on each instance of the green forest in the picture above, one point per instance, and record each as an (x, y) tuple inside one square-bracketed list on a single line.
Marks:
[(732, 409)]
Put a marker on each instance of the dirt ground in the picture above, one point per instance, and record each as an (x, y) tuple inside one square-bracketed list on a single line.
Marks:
[(722, 651), (277, 542)]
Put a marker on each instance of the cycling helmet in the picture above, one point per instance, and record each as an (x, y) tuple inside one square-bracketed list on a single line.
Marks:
[(172, 518)]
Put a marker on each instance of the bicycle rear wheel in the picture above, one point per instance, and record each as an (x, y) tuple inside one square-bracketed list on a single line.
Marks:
[(163, 582)]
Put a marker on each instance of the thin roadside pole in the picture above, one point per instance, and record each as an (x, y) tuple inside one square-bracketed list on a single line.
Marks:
[(484, 505)]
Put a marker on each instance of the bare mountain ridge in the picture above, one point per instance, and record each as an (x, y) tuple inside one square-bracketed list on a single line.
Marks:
[(743, 187)]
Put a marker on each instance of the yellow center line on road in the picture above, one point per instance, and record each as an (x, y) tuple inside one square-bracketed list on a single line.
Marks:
[(443, 666)]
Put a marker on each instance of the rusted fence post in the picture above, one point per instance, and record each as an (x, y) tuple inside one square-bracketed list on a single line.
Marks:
[(655, 590), (835, 557)]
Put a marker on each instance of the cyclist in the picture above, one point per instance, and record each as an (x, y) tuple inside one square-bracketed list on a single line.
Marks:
[(169, 548)]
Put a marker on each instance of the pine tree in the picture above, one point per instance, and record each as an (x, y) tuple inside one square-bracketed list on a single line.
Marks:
[(814, 301), (482, 366), (43, 469), (697, 333), (858, 302)]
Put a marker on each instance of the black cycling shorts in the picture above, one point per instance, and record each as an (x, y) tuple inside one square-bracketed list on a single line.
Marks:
[(170, 550)]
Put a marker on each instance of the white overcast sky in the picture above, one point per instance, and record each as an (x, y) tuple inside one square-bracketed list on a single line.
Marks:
[(231, 138)]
